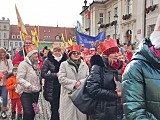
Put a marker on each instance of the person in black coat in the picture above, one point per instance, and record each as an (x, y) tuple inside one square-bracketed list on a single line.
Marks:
[(102, 83), (49, 72)]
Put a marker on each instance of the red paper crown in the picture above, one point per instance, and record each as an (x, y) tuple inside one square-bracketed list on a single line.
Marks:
[(74, 48), (107, 44), (86, 51), (30, 48)]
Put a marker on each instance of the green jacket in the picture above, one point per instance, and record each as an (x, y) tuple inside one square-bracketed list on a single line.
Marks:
[(141, 85)]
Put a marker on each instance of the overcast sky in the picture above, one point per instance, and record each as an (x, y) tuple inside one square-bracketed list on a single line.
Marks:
[(65, 13)]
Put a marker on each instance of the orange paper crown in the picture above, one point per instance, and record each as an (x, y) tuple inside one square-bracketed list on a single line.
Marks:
[(28, 38), (55, 45), (107, 44), (30, 48)]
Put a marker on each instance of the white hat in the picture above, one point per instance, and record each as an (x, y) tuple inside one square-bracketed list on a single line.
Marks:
[(155, 36)]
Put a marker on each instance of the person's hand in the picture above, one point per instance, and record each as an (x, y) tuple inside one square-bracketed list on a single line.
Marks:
[(4, 72), (119, 92), (34, 88), (78, 83)]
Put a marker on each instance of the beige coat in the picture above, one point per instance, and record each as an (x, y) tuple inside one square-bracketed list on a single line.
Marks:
[(26, 76), (67, 78)]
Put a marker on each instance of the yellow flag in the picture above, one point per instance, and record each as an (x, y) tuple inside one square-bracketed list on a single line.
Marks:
[(70, 42), (21, 26), (63, 41), (35, 36)]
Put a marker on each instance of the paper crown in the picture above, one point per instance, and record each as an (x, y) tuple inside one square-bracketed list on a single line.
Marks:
[(108, 44), (31, 49), (74, 48), (86, 51), (28, 38), (55, 45)]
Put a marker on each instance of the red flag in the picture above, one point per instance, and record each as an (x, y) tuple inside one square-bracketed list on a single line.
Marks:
[(89, 14), (21, 26)]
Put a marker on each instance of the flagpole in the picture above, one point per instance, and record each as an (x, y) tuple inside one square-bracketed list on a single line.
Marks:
[(22, 44)]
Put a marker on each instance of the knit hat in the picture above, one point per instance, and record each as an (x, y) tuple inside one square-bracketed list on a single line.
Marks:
[(155, 36), (31, 49), (109, 46), (73, 48)]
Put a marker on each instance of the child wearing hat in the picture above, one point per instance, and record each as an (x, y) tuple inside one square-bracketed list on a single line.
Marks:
[(15, 97)]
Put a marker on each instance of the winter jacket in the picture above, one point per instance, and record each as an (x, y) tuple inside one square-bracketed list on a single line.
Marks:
[(27, 77), (49, 70), (7, 68), (101, 87), (19, 57), (11, 85), (141, 85), (68, 76)]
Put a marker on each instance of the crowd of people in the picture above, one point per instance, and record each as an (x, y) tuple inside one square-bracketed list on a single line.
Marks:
[(126, 85)]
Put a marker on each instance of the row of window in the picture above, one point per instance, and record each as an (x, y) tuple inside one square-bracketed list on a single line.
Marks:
[(129, 7)]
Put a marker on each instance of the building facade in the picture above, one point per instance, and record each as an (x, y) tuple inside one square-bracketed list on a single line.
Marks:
[(4, 32), (129, 21)]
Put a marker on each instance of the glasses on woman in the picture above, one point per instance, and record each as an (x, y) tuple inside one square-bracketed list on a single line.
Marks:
[(28, 43), (76, 53)]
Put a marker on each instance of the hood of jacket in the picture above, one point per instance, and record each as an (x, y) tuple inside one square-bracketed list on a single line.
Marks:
[(145, 54)]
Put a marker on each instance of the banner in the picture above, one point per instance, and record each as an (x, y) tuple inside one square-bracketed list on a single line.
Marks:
[(90, 41)]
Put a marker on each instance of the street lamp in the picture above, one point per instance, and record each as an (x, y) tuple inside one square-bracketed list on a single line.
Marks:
[(115, 24)]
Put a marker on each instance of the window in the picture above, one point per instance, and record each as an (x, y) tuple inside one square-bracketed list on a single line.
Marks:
[(16, 43), (5, 43), (109, 16), (101, 17), (116, 11), (129, 6), (13, 36), (150, 29), (18, 36), (11, 44), (5, 35), (57, 37), (20, 44), (154, 2), (5, 27)]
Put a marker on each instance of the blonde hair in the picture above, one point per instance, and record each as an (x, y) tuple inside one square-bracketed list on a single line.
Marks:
[(2, 50)]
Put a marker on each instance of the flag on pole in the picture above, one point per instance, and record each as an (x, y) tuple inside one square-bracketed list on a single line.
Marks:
[(88, 13), (21, 26), (63, 41), (35, 36), (80, 29)]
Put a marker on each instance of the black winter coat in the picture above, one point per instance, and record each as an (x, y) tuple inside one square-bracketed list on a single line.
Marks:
[(109, 106), (49, 70)]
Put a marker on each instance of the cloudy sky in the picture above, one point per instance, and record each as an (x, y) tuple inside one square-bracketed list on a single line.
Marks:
[(65, 13)]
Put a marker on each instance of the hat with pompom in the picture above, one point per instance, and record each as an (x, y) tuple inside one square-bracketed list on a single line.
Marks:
[(155, 35)]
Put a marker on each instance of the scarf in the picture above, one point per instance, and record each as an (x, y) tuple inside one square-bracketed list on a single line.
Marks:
[(57, 58), (35, 66), (155, 51), (74, 63)]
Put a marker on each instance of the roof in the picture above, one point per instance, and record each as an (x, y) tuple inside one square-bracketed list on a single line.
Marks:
[(47, 33)]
